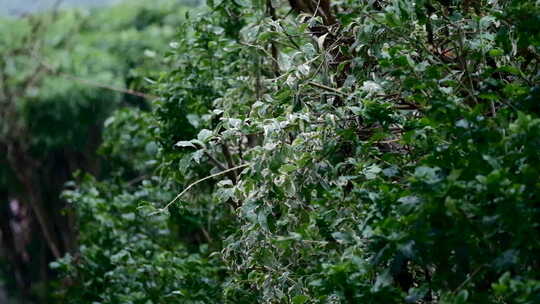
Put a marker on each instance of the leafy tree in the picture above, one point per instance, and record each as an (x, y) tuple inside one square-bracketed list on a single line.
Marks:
[(367, 152)]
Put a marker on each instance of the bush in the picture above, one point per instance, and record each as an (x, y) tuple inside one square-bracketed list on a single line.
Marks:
[(389, 157)]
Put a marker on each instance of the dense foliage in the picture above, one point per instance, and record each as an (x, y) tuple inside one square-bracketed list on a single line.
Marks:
[(367, 152), (62, 73)]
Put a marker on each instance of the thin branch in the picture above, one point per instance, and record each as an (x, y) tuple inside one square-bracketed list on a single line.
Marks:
[(260, 49), (474, 273), (228, 158), (199, 181), (271, 11), (52, 70), (464, 66), (137, 179), (327, 88), (214, 161), (108, 87), (388, 141)]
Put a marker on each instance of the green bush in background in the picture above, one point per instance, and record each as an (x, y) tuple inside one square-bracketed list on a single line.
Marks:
[(62, 74)]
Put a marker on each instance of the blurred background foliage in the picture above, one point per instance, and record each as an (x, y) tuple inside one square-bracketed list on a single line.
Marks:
[(62, 73), (17, 8)]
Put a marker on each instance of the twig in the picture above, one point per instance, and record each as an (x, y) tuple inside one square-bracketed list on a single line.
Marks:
[(475, 272), (53, 71), (199, 181), (260, 49), (214, 161), (273, 49), (464, 66), (137, 179), (230, 162), (322, 86), (104, 86), (388, 141)]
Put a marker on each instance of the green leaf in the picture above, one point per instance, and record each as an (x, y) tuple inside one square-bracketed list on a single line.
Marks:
[(427, 174), (204, 135), (184, 144), (300, 299), (288, 168)]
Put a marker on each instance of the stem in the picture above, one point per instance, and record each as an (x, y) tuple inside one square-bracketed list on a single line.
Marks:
[(327, 88), (199, 181), (214, 161), (230, 162)]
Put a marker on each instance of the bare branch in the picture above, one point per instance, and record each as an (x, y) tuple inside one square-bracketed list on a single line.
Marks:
[(199, 181)]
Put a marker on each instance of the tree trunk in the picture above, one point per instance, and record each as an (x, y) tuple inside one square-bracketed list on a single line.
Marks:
[(26, 168)]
